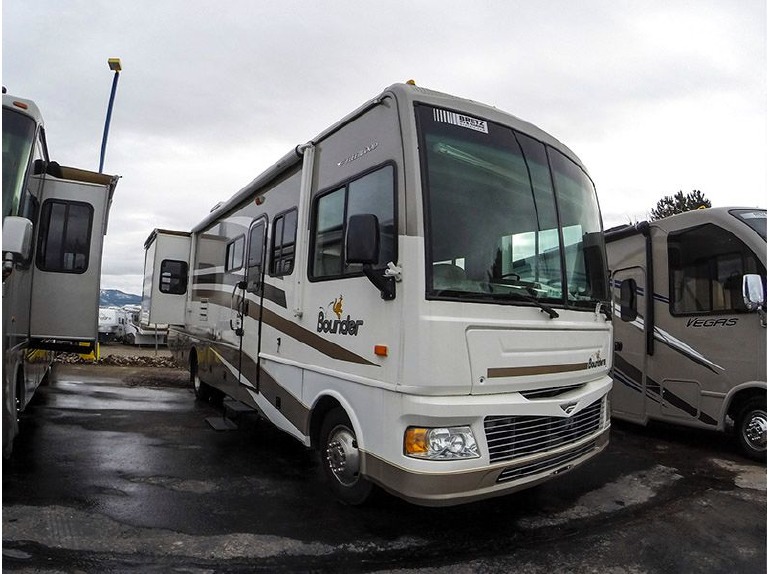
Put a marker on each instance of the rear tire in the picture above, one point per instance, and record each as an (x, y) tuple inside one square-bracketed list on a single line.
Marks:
[(341, 459), (751, 428)]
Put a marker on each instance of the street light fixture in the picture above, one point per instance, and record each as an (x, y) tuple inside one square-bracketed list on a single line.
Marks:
[(114, 64)]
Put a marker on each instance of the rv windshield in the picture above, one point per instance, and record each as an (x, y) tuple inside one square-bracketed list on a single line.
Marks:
[(508, 219), (754, 218), (18, 138)]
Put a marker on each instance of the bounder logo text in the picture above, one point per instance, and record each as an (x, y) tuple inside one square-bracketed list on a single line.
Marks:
[(596, 361), (339, 326)]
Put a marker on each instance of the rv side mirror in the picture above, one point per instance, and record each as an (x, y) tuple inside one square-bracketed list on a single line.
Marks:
[(17, 242), (753, 291), (362, 245), (628, 309), (362, 241), (17, 237)]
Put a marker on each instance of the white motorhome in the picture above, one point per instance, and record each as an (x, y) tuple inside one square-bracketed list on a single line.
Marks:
[(418, 292), (112, 324), (691, 330), (54, 220)]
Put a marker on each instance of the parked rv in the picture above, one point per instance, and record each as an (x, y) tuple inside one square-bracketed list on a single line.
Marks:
[(54, 220), (691, 329), (141, 333), (112, 324), (420, 292)]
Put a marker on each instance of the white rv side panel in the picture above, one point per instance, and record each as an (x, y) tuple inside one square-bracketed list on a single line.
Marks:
[(166, 278), (65, 284)]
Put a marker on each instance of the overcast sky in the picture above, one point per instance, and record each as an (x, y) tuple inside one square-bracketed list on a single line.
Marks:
[(654, 96)]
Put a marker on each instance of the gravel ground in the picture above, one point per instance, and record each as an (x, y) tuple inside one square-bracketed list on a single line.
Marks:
[(120, 355)]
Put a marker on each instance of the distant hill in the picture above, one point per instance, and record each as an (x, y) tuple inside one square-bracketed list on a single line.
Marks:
[(115, 298)]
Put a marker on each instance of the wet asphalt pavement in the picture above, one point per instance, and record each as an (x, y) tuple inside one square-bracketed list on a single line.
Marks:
[(116, 470)]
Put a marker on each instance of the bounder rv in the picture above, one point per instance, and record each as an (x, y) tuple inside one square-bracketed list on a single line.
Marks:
[(691, 330), (420, 293), (54, 220)]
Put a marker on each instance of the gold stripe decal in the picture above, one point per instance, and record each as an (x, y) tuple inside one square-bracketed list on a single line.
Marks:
[(537, 370)]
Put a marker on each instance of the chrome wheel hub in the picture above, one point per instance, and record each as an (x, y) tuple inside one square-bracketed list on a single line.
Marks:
[(342, 456), (755, 431)]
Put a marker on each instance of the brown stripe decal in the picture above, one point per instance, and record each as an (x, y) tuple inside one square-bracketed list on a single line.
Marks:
[(288, 405), (309, 338), (529, 371), (290, 328)]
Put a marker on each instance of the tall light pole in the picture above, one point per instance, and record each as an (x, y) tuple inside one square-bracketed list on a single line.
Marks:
[(114, 64)]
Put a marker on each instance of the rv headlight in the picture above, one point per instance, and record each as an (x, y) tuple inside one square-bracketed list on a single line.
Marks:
[(444, 443)]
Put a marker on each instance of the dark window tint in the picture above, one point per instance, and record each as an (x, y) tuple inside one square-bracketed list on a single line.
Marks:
[(234, 254), (284, 237), (372, 193), (254, 268), (64, 240), (707, 265), (173, 277)]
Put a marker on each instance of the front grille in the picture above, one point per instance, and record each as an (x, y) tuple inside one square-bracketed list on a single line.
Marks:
[(548, 392), (512, 437), (549, 463)]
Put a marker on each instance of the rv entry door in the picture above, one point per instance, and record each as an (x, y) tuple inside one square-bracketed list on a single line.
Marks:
[(249, 304), (629, 366)]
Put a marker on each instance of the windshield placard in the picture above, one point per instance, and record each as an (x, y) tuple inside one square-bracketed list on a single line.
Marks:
[(461, 120)]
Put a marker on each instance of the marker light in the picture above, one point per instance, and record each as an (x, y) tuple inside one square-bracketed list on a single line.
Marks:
[(21, 105), (445, 443), (381, 350)]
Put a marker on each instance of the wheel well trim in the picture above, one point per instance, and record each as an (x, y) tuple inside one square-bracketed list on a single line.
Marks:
[(738, 395), (323, 404)]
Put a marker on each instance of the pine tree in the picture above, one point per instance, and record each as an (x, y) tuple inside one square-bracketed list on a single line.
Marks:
[(679, 203)]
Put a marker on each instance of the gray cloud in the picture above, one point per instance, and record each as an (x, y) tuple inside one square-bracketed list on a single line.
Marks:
[(655, 96)]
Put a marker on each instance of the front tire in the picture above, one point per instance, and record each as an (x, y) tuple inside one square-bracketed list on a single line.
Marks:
[(341, 459), (751, 429), (202, 390)]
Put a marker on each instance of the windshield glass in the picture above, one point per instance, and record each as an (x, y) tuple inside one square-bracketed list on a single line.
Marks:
[(492, 229), (754, 218), (18, 137)]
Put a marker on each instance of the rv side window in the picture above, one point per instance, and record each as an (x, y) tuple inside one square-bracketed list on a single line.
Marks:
[(64, 241), (234, 254), (372, 193), (284, 237), (256, 260), (173, 277), (706, 269)]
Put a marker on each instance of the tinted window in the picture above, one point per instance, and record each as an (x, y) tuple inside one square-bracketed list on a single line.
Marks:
[(707, 265), (234, 254), (372, 193), (173, 277), (284, 237), (64, 241), (256, 261)]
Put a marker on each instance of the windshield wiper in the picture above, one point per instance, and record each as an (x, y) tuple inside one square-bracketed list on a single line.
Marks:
[(552, 314)]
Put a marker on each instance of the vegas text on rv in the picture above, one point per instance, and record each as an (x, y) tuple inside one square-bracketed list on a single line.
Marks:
[(420, 293), (54, 220), (691, 342)]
